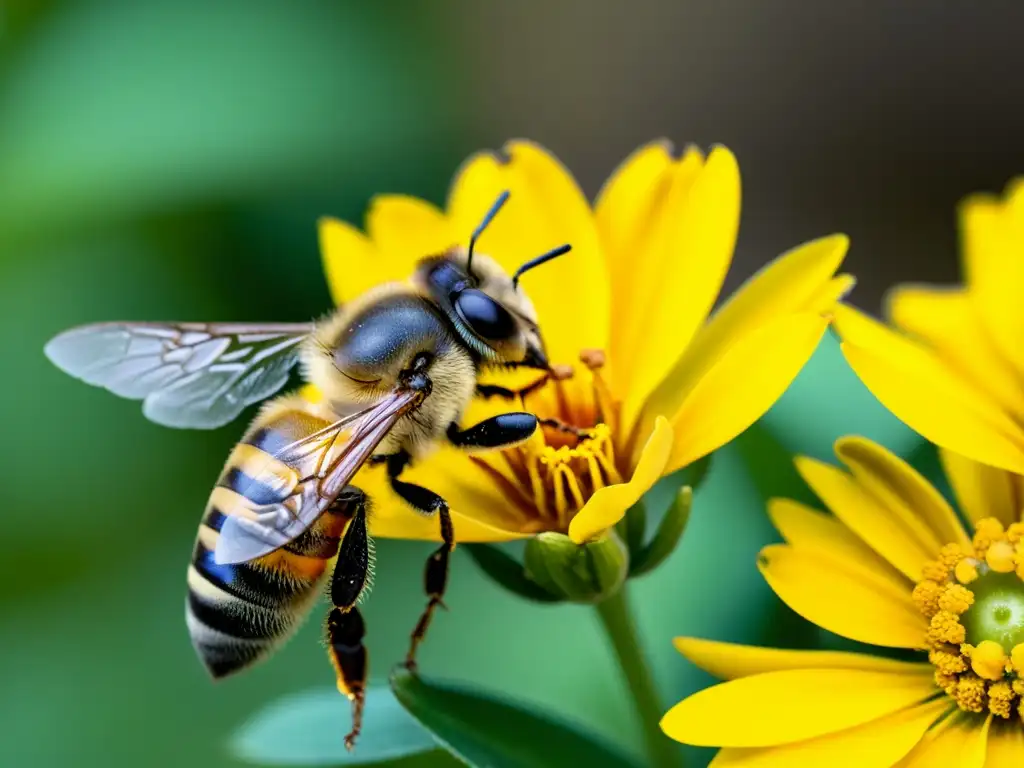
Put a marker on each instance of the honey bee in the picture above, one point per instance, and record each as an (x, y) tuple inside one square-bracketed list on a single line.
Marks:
[(397, 367)]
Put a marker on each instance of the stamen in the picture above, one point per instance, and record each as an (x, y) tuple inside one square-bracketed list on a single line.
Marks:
[(988, 660), (573, 454), (595, 359), (975, 635), (1000, 557), (537, 490)]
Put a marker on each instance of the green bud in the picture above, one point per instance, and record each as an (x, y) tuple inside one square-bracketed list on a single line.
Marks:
[(508, 572), (666, 537), (580, 573)]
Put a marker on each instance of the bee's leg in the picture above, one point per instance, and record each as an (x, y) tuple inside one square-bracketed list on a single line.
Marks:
[(345, 629), (435, 577), (495, 432)]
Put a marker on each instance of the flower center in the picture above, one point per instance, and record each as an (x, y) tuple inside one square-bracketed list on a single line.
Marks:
[(572, 455), (973, 598)]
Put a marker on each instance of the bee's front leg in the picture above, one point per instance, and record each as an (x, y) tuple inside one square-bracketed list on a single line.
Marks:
[(435, 578), (496, 432)]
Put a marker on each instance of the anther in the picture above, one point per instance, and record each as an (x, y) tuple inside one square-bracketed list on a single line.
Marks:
[(956, 599), (989, 660), (593, 358), (966, 570), (945, 627), (985, 532), (1000, 699), (1017, 659), (560, 372), (1000, 557), (970, 693)]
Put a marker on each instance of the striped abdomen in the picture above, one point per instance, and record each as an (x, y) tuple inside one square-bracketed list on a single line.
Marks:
[(238, 613)]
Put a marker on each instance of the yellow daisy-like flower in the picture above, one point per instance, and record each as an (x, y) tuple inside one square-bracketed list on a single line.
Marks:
[(953, 366), (657, 384), (894, 567)]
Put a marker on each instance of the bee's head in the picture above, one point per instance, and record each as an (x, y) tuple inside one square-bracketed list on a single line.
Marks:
[(491, 312)]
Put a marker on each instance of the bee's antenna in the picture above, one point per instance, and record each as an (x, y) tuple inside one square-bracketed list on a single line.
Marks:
[(536, 261), (502, 198)]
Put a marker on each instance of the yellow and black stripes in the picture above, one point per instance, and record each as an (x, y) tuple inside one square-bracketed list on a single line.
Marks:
[(237, 613)]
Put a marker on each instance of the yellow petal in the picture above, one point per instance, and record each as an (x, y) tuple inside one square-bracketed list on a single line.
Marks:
[(877, 744), (479, 512), (900, 488), (927, 394), (731, 660), (808, 529), (797, 281), (959, 740), (851, 601), (947, 321), (700, 234), (742, 384), (405, 229), (862, 513), (641, 260), (625, 205), (791, 705), (983, 491), (351, 262), (546, 208), (832, 293), (995, 271), (1005, 745), (606, 507)]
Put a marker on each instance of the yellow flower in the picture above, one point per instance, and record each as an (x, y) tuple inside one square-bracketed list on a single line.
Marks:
[(953, 367), (656, 384), (892, 567)]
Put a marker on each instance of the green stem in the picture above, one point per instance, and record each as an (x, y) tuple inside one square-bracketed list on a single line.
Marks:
[(618, 624)]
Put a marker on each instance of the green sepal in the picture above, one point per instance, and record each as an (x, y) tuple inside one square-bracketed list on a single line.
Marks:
[(580, 573), (483, 730), (508, 572), (308, 728), (632, 528), (665, 539)]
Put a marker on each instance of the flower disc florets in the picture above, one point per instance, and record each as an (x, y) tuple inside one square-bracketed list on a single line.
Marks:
[(973, 598)]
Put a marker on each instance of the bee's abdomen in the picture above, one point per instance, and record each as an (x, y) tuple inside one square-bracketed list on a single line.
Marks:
[(237, 613)]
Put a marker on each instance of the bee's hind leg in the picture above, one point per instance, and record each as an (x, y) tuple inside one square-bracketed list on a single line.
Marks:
[(345, 628), (435, 577)]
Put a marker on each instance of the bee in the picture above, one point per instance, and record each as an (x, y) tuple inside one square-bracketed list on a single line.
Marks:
[(396, 367)]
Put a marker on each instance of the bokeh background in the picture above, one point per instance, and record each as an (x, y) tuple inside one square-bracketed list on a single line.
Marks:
[(168, 159)]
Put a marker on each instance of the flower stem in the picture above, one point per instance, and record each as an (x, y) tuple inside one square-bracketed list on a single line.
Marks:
[(617, 620)]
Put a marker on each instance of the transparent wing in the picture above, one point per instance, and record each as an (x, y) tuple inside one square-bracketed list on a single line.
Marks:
[(195, 375), (324, 462)]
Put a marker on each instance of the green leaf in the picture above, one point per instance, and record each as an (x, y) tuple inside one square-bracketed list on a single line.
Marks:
[(508, 572), (483, 730), (308, 729), (667, 536)]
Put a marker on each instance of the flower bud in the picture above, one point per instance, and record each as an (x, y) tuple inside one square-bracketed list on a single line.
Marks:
[(580, 573)]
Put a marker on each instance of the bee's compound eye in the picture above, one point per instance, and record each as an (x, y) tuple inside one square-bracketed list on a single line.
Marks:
[(486, 317)]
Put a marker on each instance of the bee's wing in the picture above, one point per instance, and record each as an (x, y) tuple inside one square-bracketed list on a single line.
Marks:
[(198, 375), (325, 462)]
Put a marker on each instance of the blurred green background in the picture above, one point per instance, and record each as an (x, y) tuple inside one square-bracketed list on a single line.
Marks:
[(169, 159)]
